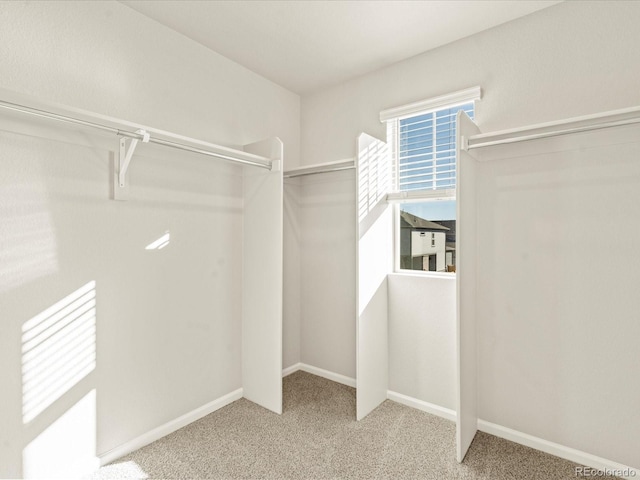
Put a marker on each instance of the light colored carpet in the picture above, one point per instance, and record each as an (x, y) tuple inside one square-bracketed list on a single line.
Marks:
[(317, 437)]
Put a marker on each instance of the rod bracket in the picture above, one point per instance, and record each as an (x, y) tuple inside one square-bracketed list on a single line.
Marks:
[(464, 143), (124, 160)]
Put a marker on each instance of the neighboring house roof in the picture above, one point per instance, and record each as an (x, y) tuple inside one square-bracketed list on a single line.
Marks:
[(450, 224), (409, 220)]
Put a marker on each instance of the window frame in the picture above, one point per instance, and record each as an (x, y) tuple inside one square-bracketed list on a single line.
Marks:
[(399, 197)]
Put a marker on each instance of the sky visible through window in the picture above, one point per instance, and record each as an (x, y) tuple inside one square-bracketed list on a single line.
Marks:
[(434, 210)]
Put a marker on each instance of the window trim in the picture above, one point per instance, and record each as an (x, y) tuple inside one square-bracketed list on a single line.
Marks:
[(436, 103), (422, 195), (397, 198)]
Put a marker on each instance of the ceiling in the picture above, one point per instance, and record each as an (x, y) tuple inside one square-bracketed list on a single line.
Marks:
[(306, 46)]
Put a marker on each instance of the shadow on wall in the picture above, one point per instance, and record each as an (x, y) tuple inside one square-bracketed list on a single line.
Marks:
[(58, 261), (374, 174), (58, 352), (51, 422), (58, 357)]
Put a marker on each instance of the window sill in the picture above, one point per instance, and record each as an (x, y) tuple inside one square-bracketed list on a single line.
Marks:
[(416, 273)]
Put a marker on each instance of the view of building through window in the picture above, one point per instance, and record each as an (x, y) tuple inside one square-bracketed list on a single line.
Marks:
[(428, 236)]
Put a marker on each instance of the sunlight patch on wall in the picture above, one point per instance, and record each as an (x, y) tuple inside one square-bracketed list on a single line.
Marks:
[(27, 239), (160, 243), (374, 249), (67, 448), (58, 350), (374, 174)]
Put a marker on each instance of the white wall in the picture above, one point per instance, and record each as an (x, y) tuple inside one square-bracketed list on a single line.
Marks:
[(167, 320), (327, 265), (570, 59), (421, 345), (557, 308)]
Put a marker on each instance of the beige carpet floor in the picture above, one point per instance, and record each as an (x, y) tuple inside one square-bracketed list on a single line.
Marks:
[(317, 437)]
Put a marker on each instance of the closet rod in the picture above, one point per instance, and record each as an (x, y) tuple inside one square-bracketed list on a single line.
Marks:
[(557, 133), (326, 170), (254, 160)]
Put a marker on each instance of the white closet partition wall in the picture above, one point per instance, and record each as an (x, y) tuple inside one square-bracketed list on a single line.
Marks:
[(262, 279), (375, 261), (466, 365)]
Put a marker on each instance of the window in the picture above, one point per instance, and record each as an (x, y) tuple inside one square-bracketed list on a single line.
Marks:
[(422, 138)]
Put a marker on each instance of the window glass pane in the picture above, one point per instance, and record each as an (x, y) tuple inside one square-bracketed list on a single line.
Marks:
[(428, 236)]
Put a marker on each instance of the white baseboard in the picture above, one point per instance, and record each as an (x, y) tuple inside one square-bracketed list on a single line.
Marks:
[(292, 369), (422, 405), (558, 450), (320, 372), (169, 427), (335, 377)]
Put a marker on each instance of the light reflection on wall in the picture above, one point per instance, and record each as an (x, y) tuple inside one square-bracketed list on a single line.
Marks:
[(159, 243), (27, 239), (58, 350)]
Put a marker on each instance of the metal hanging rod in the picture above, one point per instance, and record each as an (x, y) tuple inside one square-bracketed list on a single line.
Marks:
[(321, 168), (257, 162), (556, 133), (245, 158), (300, 174)]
